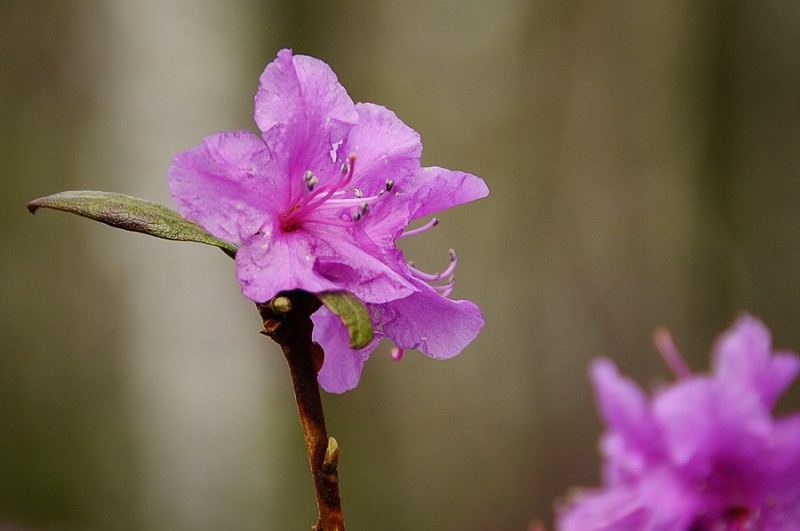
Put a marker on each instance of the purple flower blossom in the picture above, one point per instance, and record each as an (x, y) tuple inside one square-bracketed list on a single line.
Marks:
[(317, 202), (703, 453)]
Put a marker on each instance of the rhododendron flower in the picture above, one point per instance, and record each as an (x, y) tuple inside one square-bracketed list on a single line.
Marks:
[(317, 201), (703, 453)]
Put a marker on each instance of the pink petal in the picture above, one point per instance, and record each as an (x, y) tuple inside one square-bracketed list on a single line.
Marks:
[(386, 149), (277, 261), (439, 327), (303, 113), (704, 422), (617, 509), (774, 475), (626, 410), (659, 502), (743, 356), (359, 270), (226, 184), (439, 189), (341, 370)]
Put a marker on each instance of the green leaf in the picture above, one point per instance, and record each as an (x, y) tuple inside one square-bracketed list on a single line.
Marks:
[(133, 214), (353, 313)]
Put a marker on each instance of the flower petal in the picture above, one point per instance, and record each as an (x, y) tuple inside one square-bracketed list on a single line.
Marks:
[(659, 502), (633, 438), (225, 185), (277, 261), (775, 475), (782, 461), (303, 112), (439, 189), (359, 270), (341, 370), (386, 149), (743, 356), (617, 509), (705, 423), (718, 459), (439, 327)]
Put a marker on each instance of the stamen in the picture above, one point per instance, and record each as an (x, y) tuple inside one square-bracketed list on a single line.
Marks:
[(324, 192), (328, 203), (413, 232), (351, 162), (446, 289), (669, 353), (363, 208), (397, 353), (427, 277), (329, 221), (449, 290), (313, 198)]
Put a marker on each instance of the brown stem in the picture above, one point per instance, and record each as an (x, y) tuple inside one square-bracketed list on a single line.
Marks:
[(287, 320)]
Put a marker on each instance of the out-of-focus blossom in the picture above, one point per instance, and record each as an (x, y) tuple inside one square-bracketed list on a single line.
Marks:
[(702, 454)]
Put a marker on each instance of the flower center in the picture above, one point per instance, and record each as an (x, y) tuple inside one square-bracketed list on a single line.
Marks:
[(334, 203)]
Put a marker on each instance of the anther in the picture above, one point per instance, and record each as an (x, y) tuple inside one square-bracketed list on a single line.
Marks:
[(389, 185), (347, 167), (359, 194), (310, 179), (363, 208)]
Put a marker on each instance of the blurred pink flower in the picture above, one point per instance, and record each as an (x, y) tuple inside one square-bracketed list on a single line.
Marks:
[(703, 453)]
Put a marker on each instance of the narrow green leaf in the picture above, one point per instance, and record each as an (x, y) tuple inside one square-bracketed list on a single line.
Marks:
[(131, 213), (353, 313)]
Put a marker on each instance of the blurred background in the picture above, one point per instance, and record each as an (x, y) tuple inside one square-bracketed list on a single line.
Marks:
[(644, 166)]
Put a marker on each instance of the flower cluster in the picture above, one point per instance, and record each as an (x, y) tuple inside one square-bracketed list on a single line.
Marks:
[(317, 201), (703, 453)]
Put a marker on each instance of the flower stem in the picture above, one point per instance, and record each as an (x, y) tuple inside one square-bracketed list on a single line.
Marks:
[(287, 320)]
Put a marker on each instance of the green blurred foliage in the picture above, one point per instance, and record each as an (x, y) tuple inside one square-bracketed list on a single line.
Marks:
[(643, 163)]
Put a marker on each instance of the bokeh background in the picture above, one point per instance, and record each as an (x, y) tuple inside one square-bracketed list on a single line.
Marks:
[(644, 166)]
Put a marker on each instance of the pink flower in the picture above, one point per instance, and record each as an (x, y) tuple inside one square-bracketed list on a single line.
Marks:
[(703, 453), (317, 202)]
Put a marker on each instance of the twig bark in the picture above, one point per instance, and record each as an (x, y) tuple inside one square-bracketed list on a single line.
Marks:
[(287, 321)]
